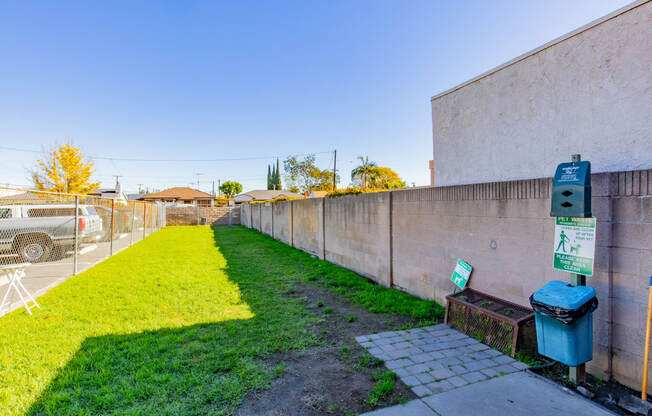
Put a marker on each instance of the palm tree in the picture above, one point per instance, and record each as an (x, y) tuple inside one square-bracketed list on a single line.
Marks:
[(363, 170)]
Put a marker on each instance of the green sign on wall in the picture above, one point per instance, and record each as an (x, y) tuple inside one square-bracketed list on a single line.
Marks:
[(574, 245), (461, 274)]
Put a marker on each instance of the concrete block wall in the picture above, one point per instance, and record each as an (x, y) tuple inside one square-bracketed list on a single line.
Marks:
[(307, 225), (255, 216), (245, 215), (357, 234), (625, 256), (193, 215), (266, 218), (504, 231), (282, 230), (434, 227)]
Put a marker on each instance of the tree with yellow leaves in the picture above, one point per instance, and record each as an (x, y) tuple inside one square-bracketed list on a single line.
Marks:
[(64, 170)]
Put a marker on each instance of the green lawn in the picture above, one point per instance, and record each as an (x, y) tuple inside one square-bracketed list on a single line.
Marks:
[(178, 324)]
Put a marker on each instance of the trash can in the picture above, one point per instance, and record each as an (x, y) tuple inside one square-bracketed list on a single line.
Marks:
[(564, 321)]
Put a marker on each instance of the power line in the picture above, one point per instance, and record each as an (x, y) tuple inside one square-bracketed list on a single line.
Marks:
[(14, 149)]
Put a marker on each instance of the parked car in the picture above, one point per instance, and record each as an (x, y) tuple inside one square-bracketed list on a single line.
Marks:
[(122, 221), (34, 231)]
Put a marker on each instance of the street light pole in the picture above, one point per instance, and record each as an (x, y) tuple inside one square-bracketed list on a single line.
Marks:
[(335, 169)]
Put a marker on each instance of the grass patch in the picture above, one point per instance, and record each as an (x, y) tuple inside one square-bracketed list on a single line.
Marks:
[(376, 298), (529, 358), (179, 324), (384, 386), (166, 327), (368, 361)]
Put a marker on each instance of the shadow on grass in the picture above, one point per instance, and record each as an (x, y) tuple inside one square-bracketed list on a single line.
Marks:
[(205, 368)]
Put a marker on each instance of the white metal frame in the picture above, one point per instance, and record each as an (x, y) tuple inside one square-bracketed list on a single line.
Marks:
[(12, 275)]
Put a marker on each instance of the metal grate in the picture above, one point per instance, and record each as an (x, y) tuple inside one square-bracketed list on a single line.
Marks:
[(503, 325)]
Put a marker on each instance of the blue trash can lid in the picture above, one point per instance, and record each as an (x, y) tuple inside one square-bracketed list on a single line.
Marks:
[(562, 295)]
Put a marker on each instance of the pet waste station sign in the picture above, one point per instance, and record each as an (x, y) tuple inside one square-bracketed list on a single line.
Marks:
[(461, 274), (574, 245)]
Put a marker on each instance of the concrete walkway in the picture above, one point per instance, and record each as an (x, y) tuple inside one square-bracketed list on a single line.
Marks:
[(454, 374)]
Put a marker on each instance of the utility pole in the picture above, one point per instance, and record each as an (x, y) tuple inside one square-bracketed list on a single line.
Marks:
[(198, 174), (117, 182), (218, 187), (334, 169), (213, 188)]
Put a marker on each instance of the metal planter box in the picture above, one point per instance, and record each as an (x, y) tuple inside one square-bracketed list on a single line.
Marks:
[(503, 325)]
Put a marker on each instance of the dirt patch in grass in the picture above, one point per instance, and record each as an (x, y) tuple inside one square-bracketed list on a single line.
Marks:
[(335, 378)]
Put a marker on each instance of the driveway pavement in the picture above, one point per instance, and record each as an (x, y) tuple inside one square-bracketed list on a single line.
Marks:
[(454, 374)]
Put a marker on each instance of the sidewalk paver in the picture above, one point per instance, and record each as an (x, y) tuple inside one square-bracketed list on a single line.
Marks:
[(463, 376), (433, 355)]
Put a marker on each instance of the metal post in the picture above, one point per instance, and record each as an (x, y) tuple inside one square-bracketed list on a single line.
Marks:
[(391, 242), (76, 243), (577, 375), (144, 219), (112, 226), (133, 215)]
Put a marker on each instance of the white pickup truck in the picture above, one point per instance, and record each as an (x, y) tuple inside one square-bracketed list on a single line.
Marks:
[(33, 231)]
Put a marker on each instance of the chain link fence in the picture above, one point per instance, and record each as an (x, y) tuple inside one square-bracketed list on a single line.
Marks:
[(53, 236)]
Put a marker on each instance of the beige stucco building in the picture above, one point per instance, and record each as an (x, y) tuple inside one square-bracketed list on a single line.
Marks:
[(587, 92)]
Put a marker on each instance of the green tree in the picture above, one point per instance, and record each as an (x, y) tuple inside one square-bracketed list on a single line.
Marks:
[(361, 173), (64, 170), (380, 177), (277, 177), (269, 177), (230, 188), (304, 175)]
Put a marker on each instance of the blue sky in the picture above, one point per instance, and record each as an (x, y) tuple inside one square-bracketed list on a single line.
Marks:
[(249, 79)]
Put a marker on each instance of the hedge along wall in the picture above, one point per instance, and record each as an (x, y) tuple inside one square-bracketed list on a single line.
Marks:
[(410, 239)]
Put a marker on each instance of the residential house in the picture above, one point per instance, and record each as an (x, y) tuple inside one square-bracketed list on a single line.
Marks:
[(181, 196), (111, 193), (263, 195)]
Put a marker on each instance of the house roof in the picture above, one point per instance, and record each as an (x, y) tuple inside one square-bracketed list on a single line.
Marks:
[(103, 191), (179, 192), (22, 196), (264, 194), (319, 194), (109, 193)]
